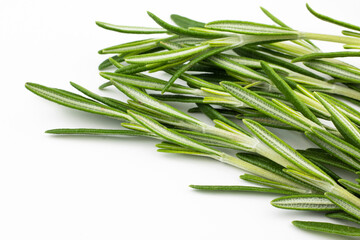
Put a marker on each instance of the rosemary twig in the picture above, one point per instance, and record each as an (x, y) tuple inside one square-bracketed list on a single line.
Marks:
[(258, 83)]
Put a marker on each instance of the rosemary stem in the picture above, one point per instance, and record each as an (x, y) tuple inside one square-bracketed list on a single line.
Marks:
[(331, 38), (243, 139), (266, 151)]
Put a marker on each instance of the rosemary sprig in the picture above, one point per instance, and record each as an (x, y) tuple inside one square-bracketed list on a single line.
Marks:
[(258, 83)]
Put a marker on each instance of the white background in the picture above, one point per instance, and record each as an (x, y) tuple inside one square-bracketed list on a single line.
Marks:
[(71, 188)]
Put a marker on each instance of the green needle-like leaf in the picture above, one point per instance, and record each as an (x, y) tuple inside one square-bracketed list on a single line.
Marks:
[(251, 62), (130, 29), (313, 56), (97, 132), (347, 128), (273, 18), (286, 151), (107, 101), (338, 143), (351, 113), (194, 61), (118, 104), (155, 114), (76, 103), (353, 187), (133, 69), (166, 56), (141, 46), (185, 22), (343, 216), (271, 183), (266, 107), (183, 31), (147, 83), (267, 121), (351, 33), (277, 169), (177, 98), (328, 228), (305, 202), (325, 158), (289, 93), (169, 146), (107, 63), (171, 135), (332, 20), (345, 204), (335, 70), (345, 158), (213, 114), (180, 150), (263, 162), (241, 189), (271, 58), (215, 141), (319, 183), (196, 81), (327, 170), (236, 67), (250, 28), (152, 103)]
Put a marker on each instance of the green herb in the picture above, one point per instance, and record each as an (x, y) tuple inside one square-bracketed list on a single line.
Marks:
[(258, 83)]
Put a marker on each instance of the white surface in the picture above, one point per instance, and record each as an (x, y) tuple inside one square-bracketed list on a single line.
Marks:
[(107, 188)]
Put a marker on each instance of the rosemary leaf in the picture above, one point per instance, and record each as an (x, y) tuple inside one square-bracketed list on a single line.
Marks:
[(249, 28), (185, 22), (343, 216), (183, 31), (279, 146), (353, 187), (97, 132), (305, 202), (74, 102), (313, 56), (129, 29), (241, 189), (289, 93), (166, 56), (347, 128), (328, 228), (345, 204), (266, 107), (332, 20)]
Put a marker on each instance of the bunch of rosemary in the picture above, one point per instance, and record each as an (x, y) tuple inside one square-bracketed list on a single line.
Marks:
[(265, 75)]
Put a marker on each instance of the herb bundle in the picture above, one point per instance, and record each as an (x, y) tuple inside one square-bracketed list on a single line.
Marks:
[(264, 75)]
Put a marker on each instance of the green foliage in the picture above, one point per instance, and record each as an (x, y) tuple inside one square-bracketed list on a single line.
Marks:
[(258, 83)]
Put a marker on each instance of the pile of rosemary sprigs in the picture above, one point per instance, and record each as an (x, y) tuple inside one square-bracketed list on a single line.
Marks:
[(265, 75)]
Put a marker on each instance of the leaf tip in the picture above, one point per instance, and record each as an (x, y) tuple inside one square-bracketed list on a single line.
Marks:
[(103, 74), (100, 24), (27, 85), (312, 11), (30, 86), (273, 203), (150, 14), (296, 223), (51, 131)]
